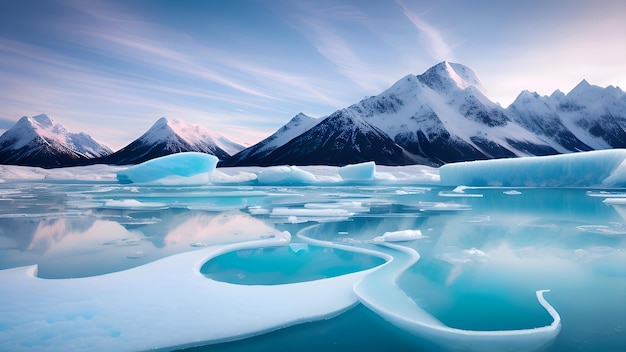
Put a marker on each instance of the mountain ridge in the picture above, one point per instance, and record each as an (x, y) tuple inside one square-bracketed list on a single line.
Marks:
[(437, 117)]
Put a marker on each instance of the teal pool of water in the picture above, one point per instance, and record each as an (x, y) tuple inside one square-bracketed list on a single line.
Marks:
[(297, 262)]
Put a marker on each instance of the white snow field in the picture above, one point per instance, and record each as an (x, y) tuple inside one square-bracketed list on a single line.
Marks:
[(110, 258)]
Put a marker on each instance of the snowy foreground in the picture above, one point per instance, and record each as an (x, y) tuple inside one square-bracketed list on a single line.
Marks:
[(513, 254)]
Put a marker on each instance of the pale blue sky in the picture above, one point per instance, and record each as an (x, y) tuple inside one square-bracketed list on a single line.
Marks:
[(243, 68)]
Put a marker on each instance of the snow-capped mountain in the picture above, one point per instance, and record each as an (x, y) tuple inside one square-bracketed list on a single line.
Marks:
[(40, 141), (172, 136), (340, 139), (258, 152), (541, 115), (442, 116), (438, 117), (596, 115)]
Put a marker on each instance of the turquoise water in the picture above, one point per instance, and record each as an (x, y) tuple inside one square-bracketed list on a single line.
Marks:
[(298, 262), (485, 252)]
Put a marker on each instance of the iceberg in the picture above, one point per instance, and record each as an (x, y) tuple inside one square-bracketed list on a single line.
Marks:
[(285, 175), (183, 168), (358, 172), (606, 168)]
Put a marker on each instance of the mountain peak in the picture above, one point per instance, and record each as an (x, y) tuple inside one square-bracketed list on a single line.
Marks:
[(581, 88), (169, 136), (447, 75), (40, 141), (43, 120)]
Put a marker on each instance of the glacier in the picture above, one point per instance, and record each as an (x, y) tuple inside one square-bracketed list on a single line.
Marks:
[(602, 168), (514, 254)]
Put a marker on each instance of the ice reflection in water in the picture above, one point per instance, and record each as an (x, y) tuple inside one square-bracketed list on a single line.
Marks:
[(90, 245)]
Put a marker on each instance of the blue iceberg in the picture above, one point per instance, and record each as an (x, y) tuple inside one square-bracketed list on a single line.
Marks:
[(363, 171), (181, 168)]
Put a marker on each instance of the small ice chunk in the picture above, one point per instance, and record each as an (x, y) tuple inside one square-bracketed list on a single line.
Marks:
[(299, 247), (512, 192), (135, 255), (332, 212), (459, 191), (285, 175), (398, 236), (133, 204), (362, 171), (199, 244), (442, 207), (615, 201), (258, 210), (180, 168)]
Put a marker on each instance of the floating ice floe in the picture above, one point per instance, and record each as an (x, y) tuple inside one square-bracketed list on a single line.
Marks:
[(619, 204), (133, 204), (178, 306), (285, 175), (399, 236), (379, 292), (459, 191), (442, 207), (183, 168), (299, 215)]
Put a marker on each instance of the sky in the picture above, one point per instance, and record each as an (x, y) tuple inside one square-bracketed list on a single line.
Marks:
[(243, 68)]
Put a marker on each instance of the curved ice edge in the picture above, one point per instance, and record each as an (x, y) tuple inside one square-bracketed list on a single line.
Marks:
[(400, 310), (177, 305), (408, 316)]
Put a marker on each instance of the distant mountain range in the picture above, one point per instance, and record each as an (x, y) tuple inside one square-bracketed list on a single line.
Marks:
[(39, 141), (437, 117)]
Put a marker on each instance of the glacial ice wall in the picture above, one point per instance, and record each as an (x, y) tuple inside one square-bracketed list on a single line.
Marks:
[(605, 168)]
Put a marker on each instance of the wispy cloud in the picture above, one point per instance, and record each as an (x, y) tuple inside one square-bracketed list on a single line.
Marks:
[(176, 52), (324, 26), (430, 37)]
